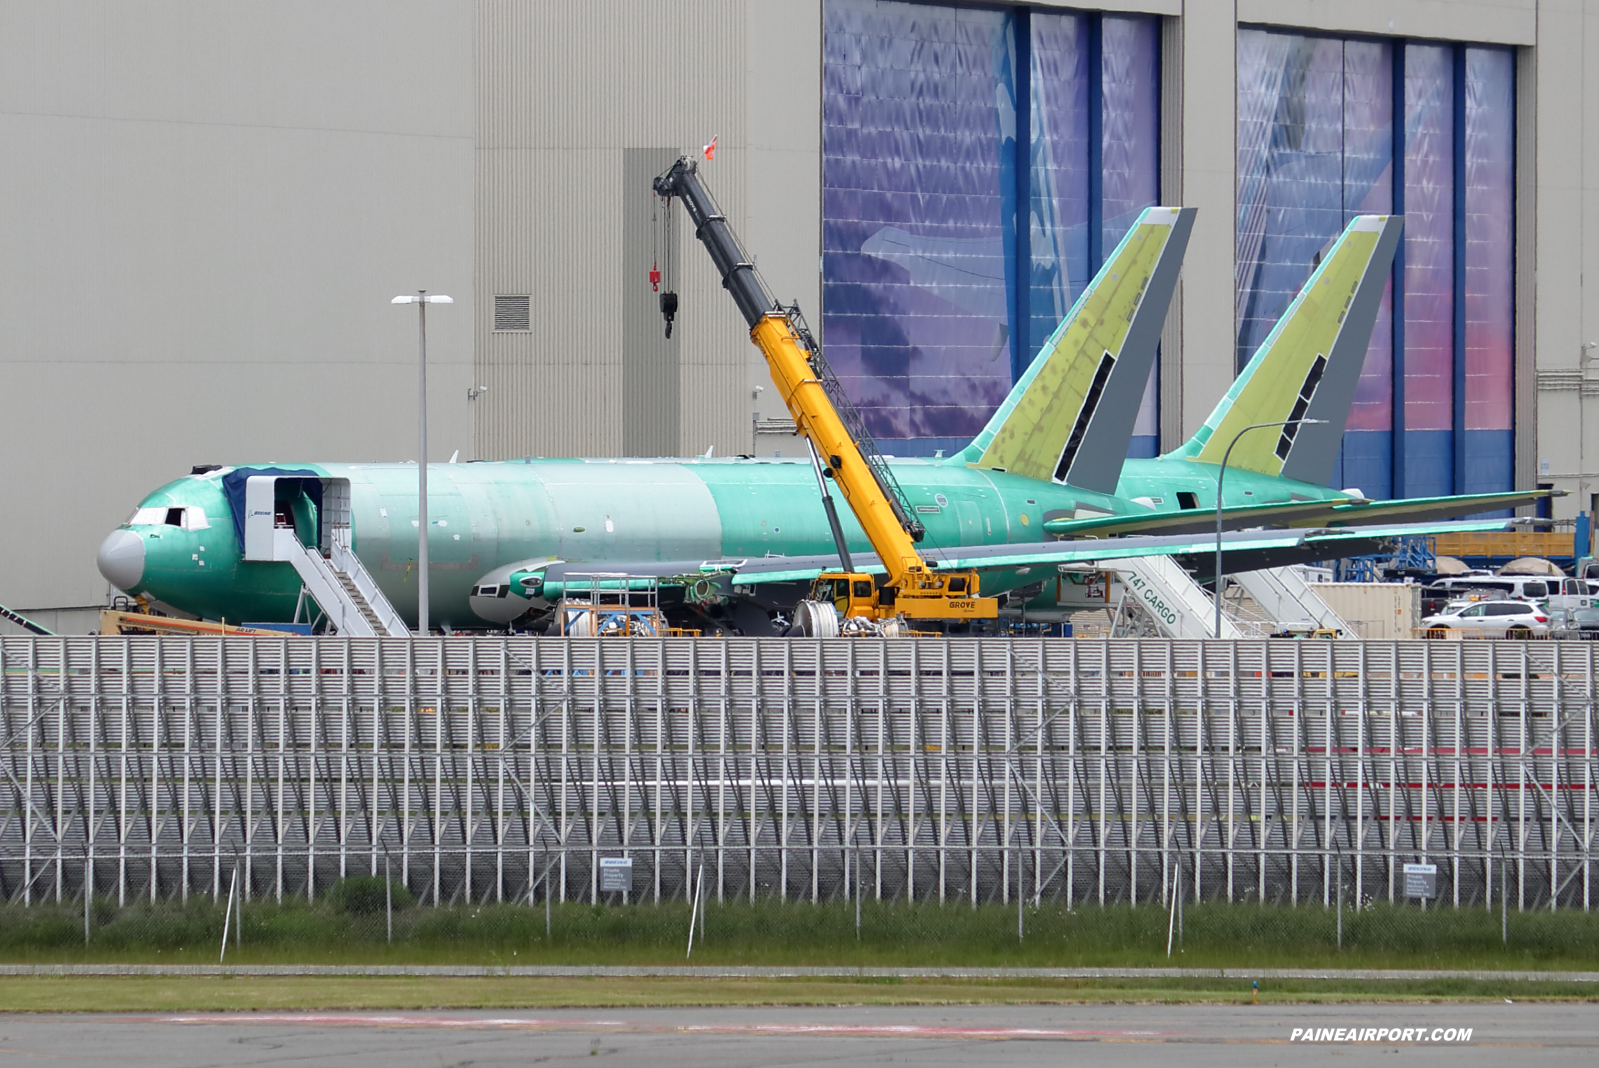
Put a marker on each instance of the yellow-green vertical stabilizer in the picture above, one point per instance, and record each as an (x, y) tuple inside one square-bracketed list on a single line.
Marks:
[(1308, 365), (1070, 417)]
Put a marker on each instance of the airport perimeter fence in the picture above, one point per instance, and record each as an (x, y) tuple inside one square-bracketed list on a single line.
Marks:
[(952, 798)]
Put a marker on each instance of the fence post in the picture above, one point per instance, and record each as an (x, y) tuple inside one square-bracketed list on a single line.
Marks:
[(227, 917), (1180, 892), (1021, 890), (694, 911), (1504, 902), (857, 894), (388, 898), (1340, 878), (1171, 921)]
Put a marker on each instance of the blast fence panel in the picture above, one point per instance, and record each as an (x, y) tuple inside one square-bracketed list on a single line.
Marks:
[(966, 770)]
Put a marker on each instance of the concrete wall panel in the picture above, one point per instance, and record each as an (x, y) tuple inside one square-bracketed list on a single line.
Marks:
[(206, 209), (1511, 22)]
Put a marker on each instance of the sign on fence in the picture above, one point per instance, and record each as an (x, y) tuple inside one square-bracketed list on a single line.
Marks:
[(1421, 880), (616, 874)]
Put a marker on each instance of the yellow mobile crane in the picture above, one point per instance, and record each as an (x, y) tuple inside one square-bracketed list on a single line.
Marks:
[(842, 449)]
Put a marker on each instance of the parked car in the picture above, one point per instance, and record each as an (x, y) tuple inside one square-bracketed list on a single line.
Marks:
[(1516, 587), (1566, 594), (1514, 619), (1576, 624)]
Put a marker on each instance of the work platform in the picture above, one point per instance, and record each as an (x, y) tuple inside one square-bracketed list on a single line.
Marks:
[(938, 769)]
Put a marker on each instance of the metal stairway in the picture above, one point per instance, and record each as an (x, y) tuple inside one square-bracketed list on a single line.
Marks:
[(1166, 593), (1284, 595), (344, 590), (330, 571)]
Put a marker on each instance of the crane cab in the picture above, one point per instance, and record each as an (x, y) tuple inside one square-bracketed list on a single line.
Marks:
[(853, 593)]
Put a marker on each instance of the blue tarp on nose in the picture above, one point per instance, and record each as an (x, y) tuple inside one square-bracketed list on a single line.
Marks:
[(234, 482)]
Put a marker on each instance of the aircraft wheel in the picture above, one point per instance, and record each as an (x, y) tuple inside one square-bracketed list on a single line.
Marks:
[(816, 619)]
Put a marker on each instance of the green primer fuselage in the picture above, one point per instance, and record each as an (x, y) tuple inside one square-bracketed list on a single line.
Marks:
[(1161, 479), (609, 513)]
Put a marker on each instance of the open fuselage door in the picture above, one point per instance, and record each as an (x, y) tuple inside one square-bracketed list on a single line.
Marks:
[(305, 521)]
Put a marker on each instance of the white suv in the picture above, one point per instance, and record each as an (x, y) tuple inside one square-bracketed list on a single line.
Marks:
[(1514, 619)]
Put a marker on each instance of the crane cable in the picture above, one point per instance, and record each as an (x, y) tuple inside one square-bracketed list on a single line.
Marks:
[(661, 233)]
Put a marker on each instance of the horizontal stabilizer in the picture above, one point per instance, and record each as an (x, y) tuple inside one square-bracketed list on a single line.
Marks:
[(1336, 512)]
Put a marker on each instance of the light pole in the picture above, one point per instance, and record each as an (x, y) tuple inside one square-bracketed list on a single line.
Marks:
[(422, 300), (1222, 474)]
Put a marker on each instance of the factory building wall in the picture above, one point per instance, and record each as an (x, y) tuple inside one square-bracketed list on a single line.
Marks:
[(578, 105), (205, 211)]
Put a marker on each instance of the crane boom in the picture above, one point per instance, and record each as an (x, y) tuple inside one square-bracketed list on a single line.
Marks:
[(823, 414)]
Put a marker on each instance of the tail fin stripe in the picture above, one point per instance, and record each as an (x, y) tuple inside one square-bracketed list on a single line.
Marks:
[(1307, 392), (1096, 389)]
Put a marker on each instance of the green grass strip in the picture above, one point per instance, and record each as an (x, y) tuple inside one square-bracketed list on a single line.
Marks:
[(775, 933), (252, 993)]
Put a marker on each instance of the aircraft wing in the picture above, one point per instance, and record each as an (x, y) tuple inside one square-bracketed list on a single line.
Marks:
[(1336, 512), (1242, 550)]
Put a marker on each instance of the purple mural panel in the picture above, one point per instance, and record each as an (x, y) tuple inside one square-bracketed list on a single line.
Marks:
[(918, 128), (1130, 158), (1130, 153), (1490, 223), (1058, 214), (1429, 240), (1369, 190)]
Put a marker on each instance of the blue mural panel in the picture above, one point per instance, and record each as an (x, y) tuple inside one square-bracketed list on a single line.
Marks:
[(918, 130), (1058, 179), (1130, 161), (1291, 171), (952, 247)]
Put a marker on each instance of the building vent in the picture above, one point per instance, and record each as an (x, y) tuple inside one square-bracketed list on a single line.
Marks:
[(511, 311)]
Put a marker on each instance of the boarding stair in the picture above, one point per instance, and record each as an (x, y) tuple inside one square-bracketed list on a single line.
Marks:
[(1284, 596), (329, 570), (344, 589), (1158, 588)]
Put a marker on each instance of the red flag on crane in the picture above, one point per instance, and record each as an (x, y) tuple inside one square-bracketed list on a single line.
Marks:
[(710, 149)]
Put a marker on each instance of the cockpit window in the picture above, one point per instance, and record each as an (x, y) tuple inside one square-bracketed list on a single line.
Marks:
[(188, 518)]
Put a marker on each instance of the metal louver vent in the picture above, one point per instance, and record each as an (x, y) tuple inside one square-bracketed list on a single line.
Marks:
[(511, 311)]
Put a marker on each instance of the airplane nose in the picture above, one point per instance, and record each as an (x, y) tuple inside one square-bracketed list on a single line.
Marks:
[(121, 559)]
